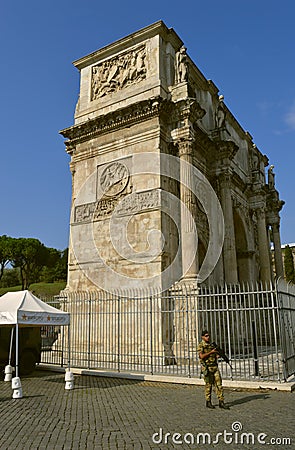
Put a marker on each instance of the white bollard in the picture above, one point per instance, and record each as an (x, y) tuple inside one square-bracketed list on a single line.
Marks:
[(17, 388), (17, 393), (8, 373), (69, 379), (16, 383)]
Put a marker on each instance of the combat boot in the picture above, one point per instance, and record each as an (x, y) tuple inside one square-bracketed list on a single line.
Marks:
[(209, 404), (222, 405)]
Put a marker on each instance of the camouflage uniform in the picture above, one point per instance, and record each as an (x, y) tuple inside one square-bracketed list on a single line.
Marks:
[(210, 371)]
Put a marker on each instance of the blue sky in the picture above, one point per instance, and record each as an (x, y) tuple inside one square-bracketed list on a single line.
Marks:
[(245, 46)]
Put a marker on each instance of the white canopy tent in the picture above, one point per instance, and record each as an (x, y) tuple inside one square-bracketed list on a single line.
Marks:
[(22, 308)]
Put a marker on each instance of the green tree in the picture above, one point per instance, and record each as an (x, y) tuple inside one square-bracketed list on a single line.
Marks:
[(10, 278), (30, 256), (62, 267), (56, 267), (5, 252), (289, 264)]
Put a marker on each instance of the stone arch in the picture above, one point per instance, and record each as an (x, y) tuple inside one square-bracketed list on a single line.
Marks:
[(202, 249), (243, 254)]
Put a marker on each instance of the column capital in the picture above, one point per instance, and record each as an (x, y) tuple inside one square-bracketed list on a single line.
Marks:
[(227, 150), (273, 201), (272, 218), (260, 212), (185, 148), (276, 227), (182, 135), (188, 109), (225, 176)]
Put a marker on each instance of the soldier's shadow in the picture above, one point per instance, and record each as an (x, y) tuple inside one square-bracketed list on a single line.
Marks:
[(248, 398)]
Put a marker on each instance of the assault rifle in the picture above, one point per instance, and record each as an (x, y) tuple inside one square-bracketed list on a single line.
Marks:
[(221, 353)]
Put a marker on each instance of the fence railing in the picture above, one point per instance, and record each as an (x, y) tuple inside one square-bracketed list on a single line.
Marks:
[(159, 333)]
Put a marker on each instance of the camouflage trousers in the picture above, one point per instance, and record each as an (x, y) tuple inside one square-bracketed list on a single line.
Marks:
[(213, 378)]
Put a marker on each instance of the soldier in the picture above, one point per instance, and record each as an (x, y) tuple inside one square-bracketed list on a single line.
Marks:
[(208, 357)]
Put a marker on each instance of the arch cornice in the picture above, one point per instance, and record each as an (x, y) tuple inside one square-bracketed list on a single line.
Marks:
[(132, 114)]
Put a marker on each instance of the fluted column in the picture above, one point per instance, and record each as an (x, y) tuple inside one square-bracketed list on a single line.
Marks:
[(277, 250), (188, 112), (189, 238), (229, 245), (263, 246)]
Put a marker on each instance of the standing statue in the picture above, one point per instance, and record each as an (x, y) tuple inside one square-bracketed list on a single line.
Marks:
[(220, 114), (271, 177), (181, 66)]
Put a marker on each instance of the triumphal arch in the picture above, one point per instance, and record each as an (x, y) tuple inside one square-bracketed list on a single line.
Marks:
[(166, 184)]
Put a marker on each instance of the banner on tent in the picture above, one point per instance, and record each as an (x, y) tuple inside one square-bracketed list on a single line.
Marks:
[(31, 318)]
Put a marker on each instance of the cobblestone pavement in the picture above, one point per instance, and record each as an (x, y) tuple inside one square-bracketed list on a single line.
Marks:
[(113, 413)]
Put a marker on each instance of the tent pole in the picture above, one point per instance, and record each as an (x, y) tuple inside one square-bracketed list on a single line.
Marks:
[(69, 376), (15, 382), (16, 350), (11, 343), (69, 347), (8, 369)]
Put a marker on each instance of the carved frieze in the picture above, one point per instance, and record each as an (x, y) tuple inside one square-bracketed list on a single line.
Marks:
[(119, 206), (84, 213), (139, 201), (116, 73), (104, 208), (99, 210)]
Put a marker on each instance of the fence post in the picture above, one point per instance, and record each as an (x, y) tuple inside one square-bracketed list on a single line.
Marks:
[(275, 307), (63, 334), (282, 328), (228, 328), (89, 333), (151, 334), (118, 333), (255, 350), (187, 333)]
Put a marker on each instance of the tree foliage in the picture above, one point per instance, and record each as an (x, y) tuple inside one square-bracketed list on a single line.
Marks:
[(10, 278), (289, 264), (5, 252), (30, 256), (56, 269), (31, 262)]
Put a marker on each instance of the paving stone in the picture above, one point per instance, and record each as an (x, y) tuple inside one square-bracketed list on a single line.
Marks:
[(113, 413)]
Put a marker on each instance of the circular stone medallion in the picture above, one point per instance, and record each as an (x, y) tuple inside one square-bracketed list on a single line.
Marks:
[(114, 179)]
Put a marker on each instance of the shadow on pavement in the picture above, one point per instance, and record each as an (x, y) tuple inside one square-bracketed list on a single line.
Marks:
[(83, 381), (5, 399), (247, 399)]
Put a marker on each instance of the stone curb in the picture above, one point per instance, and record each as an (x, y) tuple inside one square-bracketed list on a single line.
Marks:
[(235, 384)]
